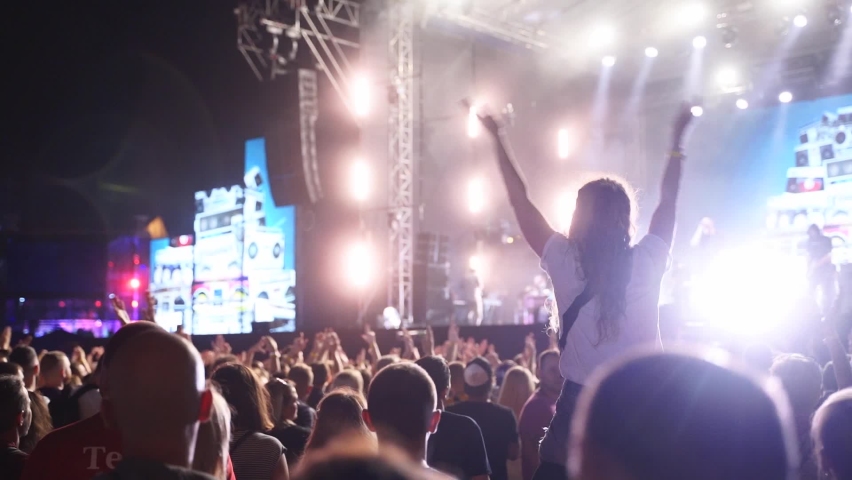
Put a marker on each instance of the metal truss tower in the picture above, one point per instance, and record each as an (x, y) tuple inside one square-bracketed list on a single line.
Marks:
[(269, 33), (401, 161)]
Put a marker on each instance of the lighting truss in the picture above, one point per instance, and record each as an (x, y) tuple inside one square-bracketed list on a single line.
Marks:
[(491, 23), (269, 32), (401, 161)]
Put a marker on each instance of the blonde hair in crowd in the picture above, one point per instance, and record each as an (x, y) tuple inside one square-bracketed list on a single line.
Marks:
[(214, 437), (518, 387)]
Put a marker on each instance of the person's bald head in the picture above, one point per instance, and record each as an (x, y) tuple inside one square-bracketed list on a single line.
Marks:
[(156, 387), (116, 343), (672, 416)]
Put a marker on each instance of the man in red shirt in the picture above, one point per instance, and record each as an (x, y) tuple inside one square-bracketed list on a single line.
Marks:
[(84, 449)]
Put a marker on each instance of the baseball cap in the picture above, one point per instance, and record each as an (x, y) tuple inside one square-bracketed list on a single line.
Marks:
[(478, 372)]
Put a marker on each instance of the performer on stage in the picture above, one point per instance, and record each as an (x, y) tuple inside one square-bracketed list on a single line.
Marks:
[(607, 290), (821, 272)]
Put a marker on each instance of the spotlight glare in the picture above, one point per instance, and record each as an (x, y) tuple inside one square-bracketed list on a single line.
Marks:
[(134, 304), (360, 181), (742, 103), (476, 195), (359, 264), (651, 52), (697, 111), (360, 91), (785, 97), (472, 123), (727, 77), (134, 283), (608, 61), (800, 20), (693, 13), (563, 143), (566, 203), (699, 42), (602, 36)]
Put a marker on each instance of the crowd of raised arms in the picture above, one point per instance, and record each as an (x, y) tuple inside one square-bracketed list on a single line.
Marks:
[(606, 401)]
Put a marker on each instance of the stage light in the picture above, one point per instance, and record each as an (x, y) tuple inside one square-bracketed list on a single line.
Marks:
[(98, 304), (359, 264), (563, 143), (651, 52), (608, 61), (697, 111), (22, 300), (800, 20), (692, 13), (785, 97), (699, 42), (360, 181), (602, 36), (761, 288), (134, 283), (184, 240), (360, 91), (476, 195), (510, 240), (473, 125), (727, 77), (134, 304), (565, 206), (742, 103)]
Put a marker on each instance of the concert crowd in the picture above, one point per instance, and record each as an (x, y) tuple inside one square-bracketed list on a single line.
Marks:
[(606, 401)]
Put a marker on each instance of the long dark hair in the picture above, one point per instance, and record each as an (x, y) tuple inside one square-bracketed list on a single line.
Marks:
[(248, 399), (601, 230)]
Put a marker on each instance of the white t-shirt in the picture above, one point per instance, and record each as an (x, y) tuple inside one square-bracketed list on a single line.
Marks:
[(639, 326)]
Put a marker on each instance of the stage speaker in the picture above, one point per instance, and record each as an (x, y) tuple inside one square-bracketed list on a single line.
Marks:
[(291, 150), (431, 278)]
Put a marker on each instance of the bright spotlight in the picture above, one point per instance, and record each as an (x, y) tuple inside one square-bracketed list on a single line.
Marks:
[(699, 42), (134, 283), (360, 91), (475, 263), (608, 61), (785, 97), (693, 13), (602, 36), (476, 195), (360, 181), (565, 206), (473, 125), (563, 143), (727, 77), (800, 20), (742, 103), (134, 304), (359, 264), (651, 52), (697, 111)]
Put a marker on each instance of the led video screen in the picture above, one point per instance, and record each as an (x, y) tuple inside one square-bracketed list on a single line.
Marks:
[(771, 172), (243, 262)]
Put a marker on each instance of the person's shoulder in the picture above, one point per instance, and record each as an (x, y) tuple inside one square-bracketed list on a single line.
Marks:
[(74, 432), (461, 424)]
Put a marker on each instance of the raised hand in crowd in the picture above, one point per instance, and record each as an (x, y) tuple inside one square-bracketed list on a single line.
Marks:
[(120, 309), (428, 342), (6, 339), (369, 337), (220, 346), (150, 312)]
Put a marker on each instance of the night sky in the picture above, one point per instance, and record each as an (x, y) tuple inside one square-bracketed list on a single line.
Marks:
[(121, 108)]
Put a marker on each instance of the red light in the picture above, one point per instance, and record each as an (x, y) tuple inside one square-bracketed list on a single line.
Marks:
[(134, 283), (134, 304), (135, 259), (98, 304), (111, 264), (184, 240), (62, 304)]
